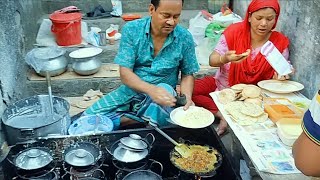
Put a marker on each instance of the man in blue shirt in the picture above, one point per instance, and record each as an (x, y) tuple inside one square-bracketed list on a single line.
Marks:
[(306, 149), (153, 51)]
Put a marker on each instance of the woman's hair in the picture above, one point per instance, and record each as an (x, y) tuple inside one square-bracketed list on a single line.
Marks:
[(157, 2)]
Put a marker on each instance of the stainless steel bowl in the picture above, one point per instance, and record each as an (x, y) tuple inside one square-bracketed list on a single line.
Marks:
[(134, 141), (86, 66), (55, 66)]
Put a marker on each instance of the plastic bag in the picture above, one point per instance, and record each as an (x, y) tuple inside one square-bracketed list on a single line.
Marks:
[(198, 25), (38, 58), (117, 8)]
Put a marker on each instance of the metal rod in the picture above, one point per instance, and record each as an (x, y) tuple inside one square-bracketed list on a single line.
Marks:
[(48, 78)]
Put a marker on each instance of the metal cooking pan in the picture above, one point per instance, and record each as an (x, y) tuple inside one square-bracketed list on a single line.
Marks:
[(210, 173)]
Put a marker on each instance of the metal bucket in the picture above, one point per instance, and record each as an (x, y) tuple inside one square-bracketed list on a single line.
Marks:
[(30, 118)]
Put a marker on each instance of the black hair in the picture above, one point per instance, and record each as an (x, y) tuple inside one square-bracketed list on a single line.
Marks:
[(156, 3)]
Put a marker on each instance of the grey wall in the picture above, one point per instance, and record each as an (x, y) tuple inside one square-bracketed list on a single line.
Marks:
[(18, 29), (300, 22), (127, 5)]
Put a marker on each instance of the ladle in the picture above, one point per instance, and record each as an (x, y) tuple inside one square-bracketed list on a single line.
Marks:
[(48, 78), (182, 149)]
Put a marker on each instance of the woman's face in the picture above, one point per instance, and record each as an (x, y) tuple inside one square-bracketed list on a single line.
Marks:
[(262, 21)]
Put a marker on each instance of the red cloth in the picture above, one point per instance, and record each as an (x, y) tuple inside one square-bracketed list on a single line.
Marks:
[(201, 97), (239, 39)]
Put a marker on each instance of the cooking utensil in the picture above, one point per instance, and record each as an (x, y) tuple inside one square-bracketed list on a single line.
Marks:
[(182, 149), (50, 59), (48, 78), (136, 142), (37, 122), (210, 173), (126, 154), (82, 154), (86, 66), (33, 158), (142, 174)]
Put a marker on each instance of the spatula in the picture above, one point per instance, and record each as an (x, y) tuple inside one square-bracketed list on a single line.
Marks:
[(182, 149)]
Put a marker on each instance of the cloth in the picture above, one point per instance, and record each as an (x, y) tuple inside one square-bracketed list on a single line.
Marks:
[(222, 75), (311, 120), (201, 97), (239, 39), (136, 52)]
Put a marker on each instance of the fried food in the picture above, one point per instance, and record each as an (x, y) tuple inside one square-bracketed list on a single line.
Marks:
[(201, 160)]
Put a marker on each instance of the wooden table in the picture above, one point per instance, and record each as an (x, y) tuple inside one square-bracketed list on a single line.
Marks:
[(238, 151)]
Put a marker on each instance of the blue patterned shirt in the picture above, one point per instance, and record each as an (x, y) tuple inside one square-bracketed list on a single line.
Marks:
[(136, 52)]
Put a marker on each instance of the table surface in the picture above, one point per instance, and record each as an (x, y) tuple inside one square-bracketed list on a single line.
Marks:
[(241, 140)]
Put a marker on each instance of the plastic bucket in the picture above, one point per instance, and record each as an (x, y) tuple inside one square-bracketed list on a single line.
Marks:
[(66, 28)]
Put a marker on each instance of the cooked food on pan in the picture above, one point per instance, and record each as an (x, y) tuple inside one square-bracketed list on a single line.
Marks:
[(201, 160)]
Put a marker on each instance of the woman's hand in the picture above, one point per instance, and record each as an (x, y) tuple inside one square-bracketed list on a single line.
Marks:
[(282, 78), (160, 96), (231, 56)]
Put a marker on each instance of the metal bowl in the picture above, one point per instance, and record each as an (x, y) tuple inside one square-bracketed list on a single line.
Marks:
[(86, 66), (125, 154), (55, 66), (82, 154)]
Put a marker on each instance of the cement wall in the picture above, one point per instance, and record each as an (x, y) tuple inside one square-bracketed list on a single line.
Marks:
[(18, 29), (300, 22), (127, 5)]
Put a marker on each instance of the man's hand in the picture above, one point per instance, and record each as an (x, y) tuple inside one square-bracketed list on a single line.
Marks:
[(162, 97), (189, 103)]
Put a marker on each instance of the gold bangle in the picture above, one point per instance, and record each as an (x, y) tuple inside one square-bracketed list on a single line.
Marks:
[(220, 59)]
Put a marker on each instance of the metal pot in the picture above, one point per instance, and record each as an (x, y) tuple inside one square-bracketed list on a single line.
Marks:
[(30, 118), (86, 66), (126, 154), (33, 158), (50, 59), (142, 174), (82, 154), (134, 141), (123, 169)]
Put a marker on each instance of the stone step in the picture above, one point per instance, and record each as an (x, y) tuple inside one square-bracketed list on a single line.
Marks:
[(77, 87), (128, 6)]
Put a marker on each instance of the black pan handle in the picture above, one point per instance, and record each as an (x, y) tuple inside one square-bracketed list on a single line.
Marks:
[(26, 134)]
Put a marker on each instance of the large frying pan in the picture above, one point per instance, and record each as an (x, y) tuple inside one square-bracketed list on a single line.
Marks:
[(210, 173)]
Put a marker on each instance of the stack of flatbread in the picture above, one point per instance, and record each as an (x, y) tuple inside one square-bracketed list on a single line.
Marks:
[(248, 93), (89, 98), (245, 113)]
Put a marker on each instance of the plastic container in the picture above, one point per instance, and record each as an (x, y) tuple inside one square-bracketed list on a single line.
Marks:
[(279, 108), (66, 28), (289, 129)]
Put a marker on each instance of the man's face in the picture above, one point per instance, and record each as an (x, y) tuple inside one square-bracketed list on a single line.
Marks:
[(262, 21), (166, 16)]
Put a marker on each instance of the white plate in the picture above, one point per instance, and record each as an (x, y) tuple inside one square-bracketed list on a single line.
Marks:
[(280, 87), (202, 117), (85, 52)]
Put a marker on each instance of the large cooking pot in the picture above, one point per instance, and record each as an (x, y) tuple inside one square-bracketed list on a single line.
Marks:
[(30, 118), (199, 149), (49, 59), (85, 61)]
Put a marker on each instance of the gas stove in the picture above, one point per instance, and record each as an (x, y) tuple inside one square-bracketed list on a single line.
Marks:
[(159, 152)]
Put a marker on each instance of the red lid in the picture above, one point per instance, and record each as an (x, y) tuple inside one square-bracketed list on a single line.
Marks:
[(65, 17)]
